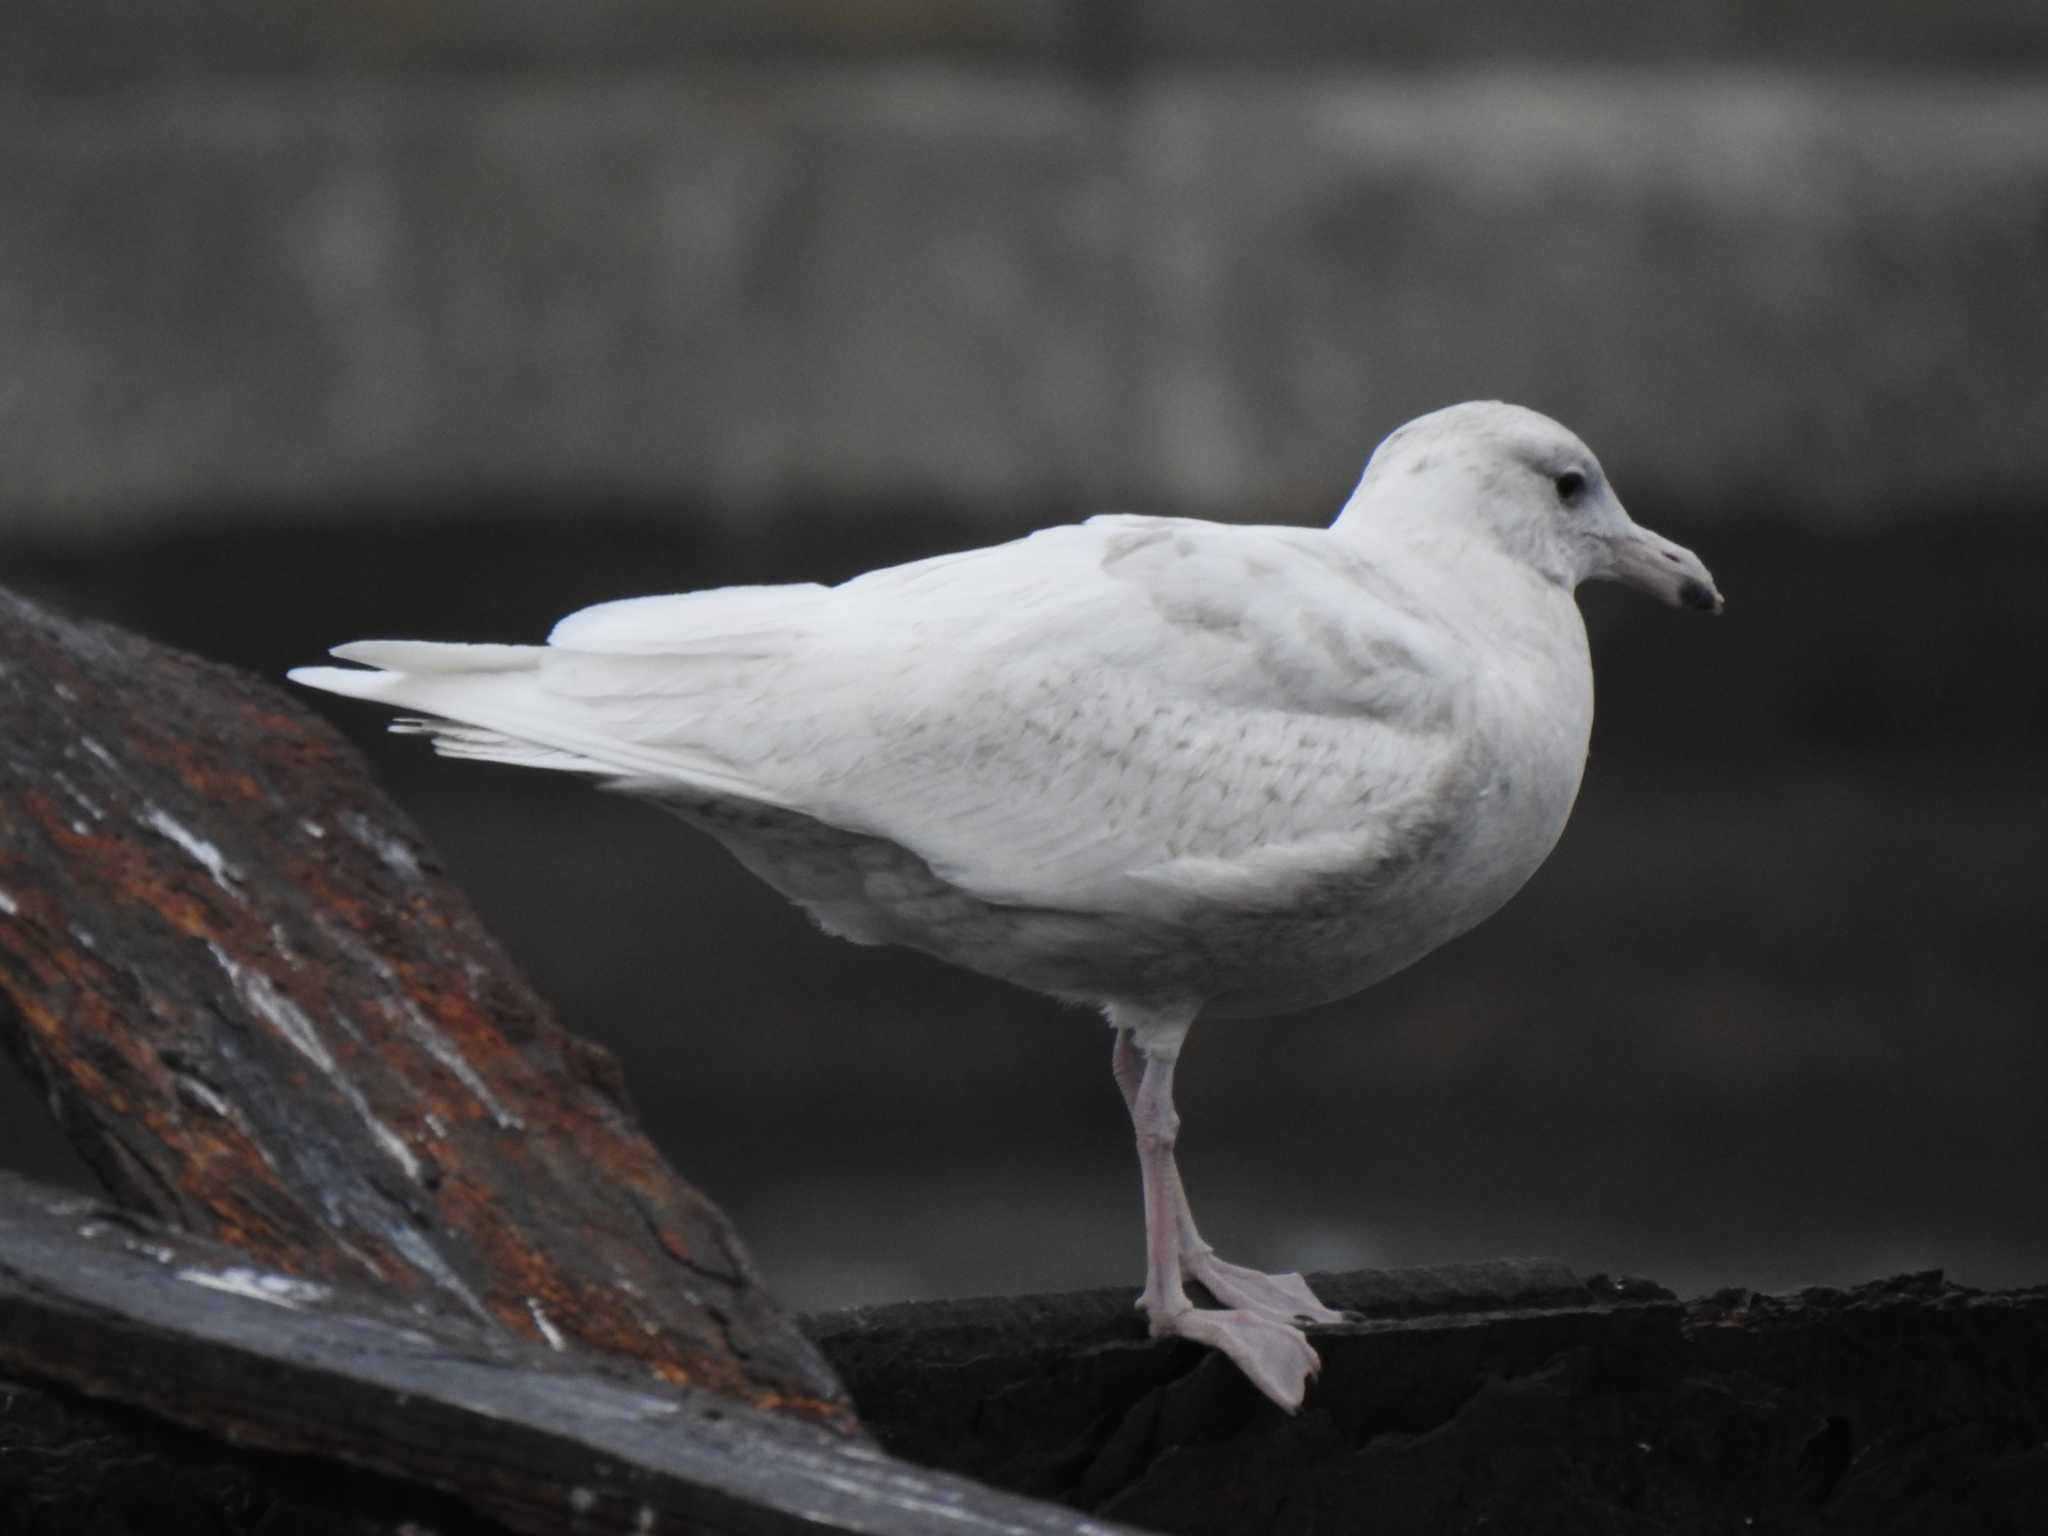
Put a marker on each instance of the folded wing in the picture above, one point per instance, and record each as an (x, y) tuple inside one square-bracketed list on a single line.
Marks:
[(1128, 713)]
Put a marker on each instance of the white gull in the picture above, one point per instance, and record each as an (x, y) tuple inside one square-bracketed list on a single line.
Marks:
[(1174, 769)]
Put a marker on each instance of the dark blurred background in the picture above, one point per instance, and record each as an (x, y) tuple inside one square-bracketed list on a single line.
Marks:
[(443, 318)]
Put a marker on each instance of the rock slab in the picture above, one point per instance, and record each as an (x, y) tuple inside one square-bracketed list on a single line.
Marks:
[(265, 1019)]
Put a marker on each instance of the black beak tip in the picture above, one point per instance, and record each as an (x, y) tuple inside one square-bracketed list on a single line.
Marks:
[(1697, 594)]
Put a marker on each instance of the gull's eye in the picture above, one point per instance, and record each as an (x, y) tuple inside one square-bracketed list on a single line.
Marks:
[(1571, 485)]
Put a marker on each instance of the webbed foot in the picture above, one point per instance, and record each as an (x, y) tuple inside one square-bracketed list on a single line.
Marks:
[(1273, 1354), (1282, 1298)]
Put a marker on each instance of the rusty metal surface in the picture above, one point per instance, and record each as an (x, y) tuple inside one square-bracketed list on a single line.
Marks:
[(264, 1017)]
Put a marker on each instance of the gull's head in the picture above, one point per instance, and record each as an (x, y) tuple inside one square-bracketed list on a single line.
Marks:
[(1529, 485)]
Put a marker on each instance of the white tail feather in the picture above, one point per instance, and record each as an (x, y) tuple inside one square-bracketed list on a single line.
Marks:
[(438, 656), (721, 618), (499, 712)]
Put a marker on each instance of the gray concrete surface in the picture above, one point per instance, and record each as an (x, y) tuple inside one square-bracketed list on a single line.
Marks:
[(93, 43), (1984, 34), (738, 287), (1209, 293)]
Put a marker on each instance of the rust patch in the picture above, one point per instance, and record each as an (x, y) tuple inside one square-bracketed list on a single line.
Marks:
[(307, 1047)]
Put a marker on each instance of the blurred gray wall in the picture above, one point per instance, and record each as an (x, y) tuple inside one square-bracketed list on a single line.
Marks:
[(1183, 256), (443, 318)]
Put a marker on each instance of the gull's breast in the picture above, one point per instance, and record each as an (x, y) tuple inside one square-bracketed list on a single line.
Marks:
[(1490, 820)]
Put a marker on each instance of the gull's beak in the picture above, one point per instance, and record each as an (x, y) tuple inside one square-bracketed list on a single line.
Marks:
[(1663, 569)]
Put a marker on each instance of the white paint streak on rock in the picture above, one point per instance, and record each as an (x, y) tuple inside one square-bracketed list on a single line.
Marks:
[(9, 905), (260, 993), (547, 1328), (380, 842), (258, 1285), (443, 1050), (404, 1011), (204, 1093), (423, 1256), (85, 802), (393, 1144), (197, 848)]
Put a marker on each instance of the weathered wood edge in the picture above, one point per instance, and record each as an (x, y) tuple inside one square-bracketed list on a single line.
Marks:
[(193, 1331), (1080, 1320)]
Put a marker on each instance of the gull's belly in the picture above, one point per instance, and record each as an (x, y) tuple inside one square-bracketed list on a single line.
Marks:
[(1345, 931), (1336, 946), (1498, 822)]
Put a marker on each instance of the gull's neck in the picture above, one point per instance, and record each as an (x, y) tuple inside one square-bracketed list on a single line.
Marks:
[(1533, 670), (1431, 531)]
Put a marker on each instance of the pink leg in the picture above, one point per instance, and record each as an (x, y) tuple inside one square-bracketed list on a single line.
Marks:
[(1283, 1298), (1268, 1349)]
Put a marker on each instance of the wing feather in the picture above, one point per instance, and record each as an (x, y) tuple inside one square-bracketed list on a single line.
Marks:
[(1132, 711), (1127, 714)]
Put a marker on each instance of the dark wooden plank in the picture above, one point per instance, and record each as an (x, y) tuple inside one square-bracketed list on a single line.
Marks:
[(1510, 1396), (1066, 1397), (264, 1017), (197, 1333), (72, 1465)]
